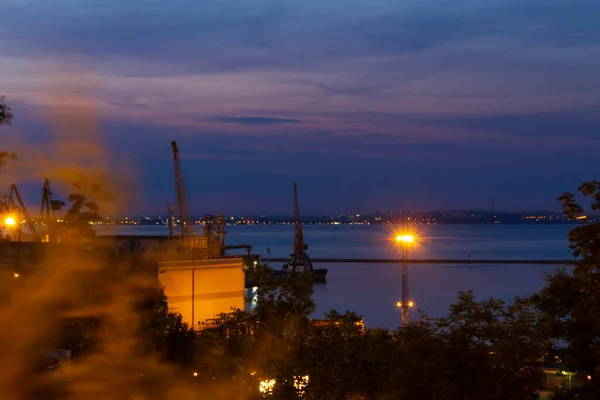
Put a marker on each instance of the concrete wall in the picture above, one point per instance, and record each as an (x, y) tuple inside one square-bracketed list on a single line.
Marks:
[(156, 248), (200, 290)]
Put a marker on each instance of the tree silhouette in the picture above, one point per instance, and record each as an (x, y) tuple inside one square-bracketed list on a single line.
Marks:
[(569, 303), (82, 211), (6, 116), (56, 205), (482, 350)]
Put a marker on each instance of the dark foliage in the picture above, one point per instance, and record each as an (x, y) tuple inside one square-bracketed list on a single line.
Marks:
[(82, 212), (6, 114), (569, 303), (484, 350), (6, 117)]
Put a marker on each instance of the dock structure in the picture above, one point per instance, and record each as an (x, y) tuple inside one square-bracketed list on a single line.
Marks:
[(126, 247), (162, 248)]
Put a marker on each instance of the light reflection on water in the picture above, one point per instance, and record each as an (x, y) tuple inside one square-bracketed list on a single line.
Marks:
[(373, 289)]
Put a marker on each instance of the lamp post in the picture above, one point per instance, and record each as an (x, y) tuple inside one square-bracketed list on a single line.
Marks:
[(405, 241)]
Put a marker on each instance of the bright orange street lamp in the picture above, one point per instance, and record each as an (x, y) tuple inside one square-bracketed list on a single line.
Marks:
[(405, 239)]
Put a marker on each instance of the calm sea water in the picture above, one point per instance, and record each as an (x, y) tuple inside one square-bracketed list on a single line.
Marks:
[(373, 289)]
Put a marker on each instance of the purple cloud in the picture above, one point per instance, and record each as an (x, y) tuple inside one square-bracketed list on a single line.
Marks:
[(325, 91)]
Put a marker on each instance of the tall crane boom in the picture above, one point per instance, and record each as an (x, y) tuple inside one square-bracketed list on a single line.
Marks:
[(299, 244), (185, 221)]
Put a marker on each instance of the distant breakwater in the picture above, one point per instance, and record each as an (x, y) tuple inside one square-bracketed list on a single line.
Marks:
[(429, 261)]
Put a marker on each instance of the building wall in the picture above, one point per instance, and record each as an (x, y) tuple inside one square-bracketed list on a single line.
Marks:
[(200, 290)]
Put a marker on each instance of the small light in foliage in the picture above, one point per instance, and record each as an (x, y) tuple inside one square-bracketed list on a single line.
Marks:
[(266, 387)]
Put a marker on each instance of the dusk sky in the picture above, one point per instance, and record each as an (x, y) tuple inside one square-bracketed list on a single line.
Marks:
[(369, 105)]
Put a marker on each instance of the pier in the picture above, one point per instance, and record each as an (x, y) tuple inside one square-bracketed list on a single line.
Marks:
[(429, 261)]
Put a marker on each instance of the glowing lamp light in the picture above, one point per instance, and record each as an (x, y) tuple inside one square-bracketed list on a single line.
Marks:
[(9, 221), (405, 239), (266, 386), (195, 374), (300, 383), (410, 304), (16, 274)]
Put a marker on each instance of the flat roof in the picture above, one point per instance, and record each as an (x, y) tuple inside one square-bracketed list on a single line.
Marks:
[(229, 262)]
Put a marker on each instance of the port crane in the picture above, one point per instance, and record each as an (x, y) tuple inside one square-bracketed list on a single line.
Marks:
[(185, 221), (18, 212), (299, 260), (212, 245)]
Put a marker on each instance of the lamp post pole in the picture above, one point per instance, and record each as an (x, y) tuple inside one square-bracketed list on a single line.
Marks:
[(405, 301), (405, 241)]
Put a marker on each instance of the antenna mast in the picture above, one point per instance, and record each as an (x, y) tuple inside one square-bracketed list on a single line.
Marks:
[(46, 211)]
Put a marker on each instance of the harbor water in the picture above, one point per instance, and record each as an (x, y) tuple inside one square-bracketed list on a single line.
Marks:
[(372, 290)]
